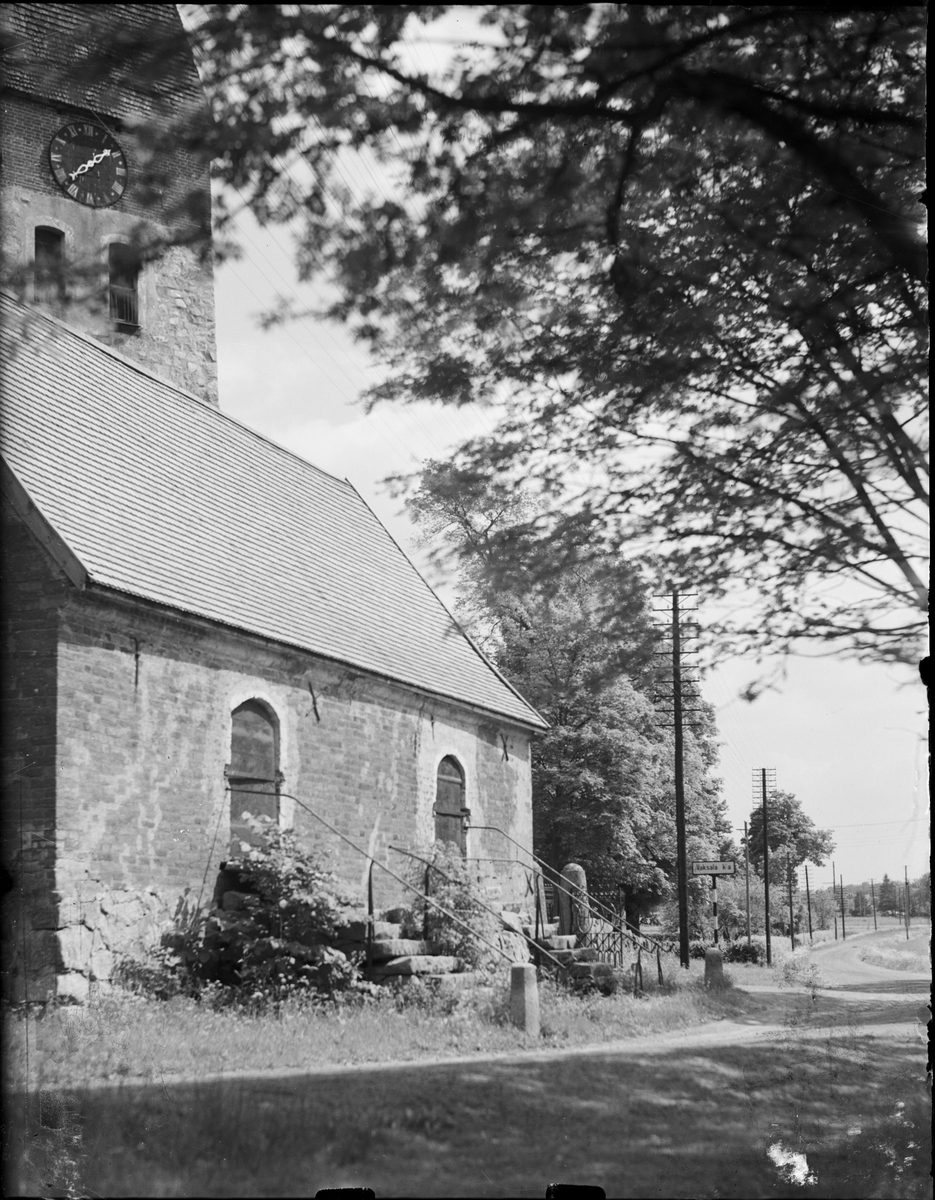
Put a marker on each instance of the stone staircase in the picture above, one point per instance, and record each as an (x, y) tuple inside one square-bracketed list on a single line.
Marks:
[(397, 957), (584, 962), (397, 960)]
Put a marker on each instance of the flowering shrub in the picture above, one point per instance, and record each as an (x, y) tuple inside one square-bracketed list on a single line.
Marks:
[(271, 945), (451, 885)]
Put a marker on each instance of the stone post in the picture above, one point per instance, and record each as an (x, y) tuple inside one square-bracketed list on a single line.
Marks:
[(573, 909), (524, 998), (714, 969)]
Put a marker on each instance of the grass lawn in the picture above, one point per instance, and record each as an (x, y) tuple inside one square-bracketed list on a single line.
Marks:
[(674, 1121), (127, 1037)]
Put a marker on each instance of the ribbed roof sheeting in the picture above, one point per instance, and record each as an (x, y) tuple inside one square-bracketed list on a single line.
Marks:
[(162, 497)]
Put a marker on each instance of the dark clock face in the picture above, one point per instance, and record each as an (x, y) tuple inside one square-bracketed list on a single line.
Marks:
[(88, 164)]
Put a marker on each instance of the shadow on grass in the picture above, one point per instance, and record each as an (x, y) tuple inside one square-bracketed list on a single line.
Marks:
[(682, 1123), (909, 987)]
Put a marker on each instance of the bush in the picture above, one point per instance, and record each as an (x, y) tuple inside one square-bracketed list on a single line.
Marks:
[(271, 948), (740, 952), (696, 949), (451, 886)]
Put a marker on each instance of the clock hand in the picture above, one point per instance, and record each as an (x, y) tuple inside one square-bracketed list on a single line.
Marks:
[(92, 162)]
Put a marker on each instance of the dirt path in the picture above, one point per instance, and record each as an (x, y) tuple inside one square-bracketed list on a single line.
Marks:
[(841, 966)]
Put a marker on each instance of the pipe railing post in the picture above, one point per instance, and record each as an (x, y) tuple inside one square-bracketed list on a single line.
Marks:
[(370, 916)]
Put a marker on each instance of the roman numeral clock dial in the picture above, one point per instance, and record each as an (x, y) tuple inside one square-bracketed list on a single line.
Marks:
[(88, 164)]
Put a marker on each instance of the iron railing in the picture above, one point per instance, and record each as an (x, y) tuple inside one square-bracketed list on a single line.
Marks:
[(596, 909)]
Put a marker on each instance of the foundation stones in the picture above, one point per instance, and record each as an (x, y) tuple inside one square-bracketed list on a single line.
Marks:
[(422, 964)]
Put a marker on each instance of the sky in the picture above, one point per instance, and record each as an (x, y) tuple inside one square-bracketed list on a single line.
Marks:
[(848, 740)]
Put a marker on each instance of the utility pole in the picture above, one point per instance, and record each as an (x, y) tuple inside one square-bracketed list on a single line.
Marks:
[(906, 877), (873, 905), (843, 923), (681, 848), (834, 900), (791, 913), (808, 903), (746, 861), (767, 780), (678, 712)]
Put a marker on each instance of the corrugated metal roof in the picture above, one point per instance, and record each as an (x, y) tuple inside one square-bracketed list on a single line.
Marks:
[(162, 497)]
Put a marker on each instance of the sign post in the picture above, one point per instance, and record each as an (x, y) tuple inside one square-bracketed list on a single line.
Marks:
[(714, 867)]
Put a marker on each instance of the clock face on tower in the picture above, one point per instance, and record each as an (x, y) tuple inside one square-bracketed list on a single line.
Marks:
[(88, 164)]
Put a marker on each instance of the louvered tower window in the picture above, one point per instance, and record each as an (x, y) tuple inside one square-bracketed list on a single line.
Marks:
[(49, 265), (124, 274)]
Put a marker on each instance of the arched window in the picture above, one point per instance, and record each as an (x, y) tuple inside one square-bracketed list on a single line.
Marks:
[(123, 265), (449, 804), (49, 265), (253, 774)]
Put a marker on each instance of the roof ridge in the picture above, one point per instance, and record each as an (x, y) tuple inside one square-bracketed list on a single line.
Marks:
[(167, 383)]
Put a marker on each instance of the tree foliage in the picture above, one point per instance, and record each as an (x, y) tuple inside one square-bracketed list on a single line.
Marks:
[(678, 243), (682, 241), (577, 642), (793, 837)]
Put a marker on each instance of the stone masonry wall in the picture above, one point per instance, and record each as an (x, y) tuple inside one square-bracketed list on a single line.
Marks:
[(33, 592), (176, 337), (144, 715)]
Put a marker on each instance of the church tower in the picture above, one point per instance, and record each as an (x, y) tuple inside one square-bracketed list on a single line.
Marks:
[(80, 192)]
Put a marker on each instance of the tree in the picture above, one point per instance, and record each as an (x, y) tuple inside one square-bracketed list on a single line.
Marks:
[(679, 242), (577, 646), (824, 908), (921, 896), (888, 897), (859, 903), (792, 837)]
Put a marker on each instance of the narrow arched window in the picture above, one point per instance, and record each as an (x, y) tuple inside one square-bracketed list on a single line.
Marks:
[(123, 264), (449, 803), (49, 265), (253, 775)]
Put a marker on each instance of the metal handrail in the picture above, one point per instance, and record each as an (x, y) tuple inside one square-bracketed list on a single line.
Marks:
[(432, 866), (308, 808), (641, 941)]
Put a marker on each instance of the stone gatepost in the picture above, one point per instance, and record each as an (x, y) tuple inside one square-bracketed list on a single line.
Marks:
[(574, 916), (524, 998), (714, 970)]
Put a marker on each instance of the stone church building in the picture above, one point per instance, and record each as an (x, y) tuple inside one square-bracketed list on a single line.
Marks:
[(196, 621)]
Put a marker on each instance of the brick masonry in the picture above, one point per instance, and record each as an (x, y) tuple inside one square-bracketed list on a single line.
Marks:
[(176, 337), (142, 701)]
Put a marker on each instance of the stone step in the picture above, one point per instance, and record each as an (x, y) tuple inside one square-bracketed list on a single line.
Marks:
[(591, 970), (421, 964), (399, 948), (581, 954), (356, 931), (460, 981), (566, 941), (545, 931)]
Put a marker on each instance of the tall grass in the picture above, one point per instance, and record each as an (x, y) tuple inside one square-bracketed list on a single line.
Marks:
[(899, 954), (129, 1037)]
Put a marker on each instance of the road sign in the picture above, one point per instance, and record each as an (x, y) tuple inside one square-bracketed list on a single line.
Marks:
[(715, 867)]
